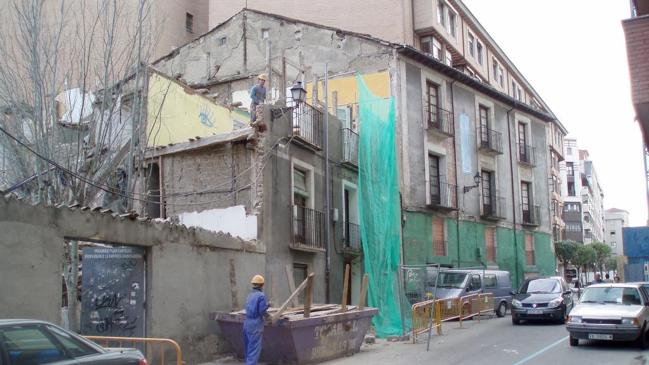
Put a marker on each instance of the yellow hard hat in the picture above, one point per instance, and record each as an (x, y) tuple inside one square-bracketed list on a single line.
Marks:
[(263, 77), (257, 279)]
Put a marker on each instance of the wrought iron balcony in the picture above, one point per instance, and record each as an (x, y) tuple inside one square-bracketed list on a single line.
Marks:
[(493, 208), (350, 147), (439, 120), (531, 214), (443, 195), (308, 229), (307, 125), (351, 237), (491, 141), (526, 154)]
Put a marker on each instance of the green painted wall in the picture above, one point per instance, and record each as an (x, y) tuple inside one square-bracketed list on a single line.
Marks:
[(510, 252)]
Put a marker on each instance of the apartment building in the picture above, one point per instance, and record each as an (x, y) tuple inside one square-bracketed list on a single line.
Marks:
[(583, 210), (635, 31), (614, 220)]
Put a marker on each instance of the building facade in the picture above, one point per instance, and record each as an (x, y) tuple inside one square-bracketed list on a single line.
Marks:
[(635, 32), (583, 210), (614, 220)]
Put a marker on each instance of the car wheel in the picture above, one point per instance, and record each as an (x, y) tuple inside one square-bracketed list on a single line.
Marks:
[(516, 321), (502, 310), (574, 341)]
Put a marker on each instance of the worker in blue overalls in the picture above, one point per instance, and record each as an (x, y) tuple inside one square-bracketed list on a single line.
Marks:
[(253, 326)]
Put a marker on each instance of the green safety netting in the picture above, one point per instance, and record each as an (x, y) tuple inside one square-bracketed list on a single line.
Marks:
[(378, 184)]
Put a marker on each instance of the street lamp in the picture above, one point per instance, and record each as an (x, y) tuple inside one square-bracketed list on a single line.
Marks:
[(298, 93), (476, 180)]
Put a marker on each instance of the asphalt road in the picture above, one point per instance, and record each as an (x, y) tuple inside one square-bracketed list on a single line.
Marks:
[(497, 341)]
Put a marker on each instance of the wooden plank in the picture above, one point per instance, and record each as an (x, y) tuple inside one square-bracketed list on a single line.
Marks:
[(363, 298), (297, 291), (308, 298), (345, 288), (291, 283)]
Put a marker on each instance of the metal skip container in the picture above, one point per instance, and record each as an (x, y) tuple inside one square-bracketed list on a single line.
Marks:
[(299, 340)]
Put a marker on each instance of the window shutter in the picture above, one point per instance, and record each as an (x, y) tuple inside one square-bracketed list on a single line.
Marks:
[(299, 182)]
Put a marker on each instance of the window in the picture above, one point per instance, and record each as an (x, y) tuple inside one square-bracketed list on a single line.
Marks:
[(265, 33), (471, 38), (479, 50), (223, 41), (439, 237), (529, 250), (526, 200), (483, 113), (189, 22), (449, 58), (431, 46), (73, 346), (30, 345), (612, 233), (488, 197), (300, 273), (569, 150), (433, 175), (490, 244), (613, 244), (570, 169), (499, 74), (523, 151), (432, 92), (351, 231), (441, 13), (452, 23), (475, 283), (490, 281)]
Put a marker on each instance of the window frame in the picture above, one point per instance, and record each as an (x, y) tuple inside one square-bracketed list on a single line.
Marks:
[(471, 41), (479, 50), (189, 22)]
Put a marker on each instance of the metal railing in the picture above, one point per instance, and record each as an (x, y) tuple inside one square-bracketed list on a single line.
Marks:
[(443, 195), (308, 228), (307, 124), (531, 214), (494, 208), (153, 357), (491, 140), (350, 146), (351, 236), (526, 154), (439, 120)]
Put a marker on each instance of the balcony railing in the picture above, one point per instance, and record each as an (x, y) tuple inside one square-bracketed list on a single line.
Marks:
[(439, 120), (307, 125), (308, 229), (531, 214), (443, 195), (526, 154), (494, 208), (351, 236), (350, 147), (491, 141)]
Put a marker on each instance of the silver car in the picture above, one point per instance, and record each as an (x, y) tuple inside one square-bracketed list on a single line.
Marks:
[(611, 312)]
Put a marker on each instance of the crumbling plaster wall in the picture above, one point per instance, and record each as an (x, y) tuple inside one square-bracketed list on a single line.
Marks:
[(190, 272), (236, 50)]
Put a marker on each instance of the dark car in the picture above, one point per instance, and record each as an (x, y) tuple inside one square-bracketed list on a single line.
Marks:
[(542, 299), (30, 342)]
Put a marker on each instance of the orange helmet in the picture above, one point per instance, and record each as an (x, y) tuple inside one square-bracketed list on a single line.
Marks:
[(257, 280)]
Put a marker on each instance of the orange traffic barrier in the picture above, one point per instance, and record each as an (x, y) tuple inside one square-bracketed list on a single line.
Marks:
[(163, 344)]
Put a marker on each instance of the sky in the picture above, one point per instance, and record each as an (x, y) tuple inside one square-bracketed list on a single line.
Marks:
[(574, 55)]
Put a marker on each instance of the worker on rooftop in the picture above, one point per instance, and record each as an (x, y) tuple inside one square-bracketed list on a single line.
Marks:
[(257, 95), (253, 326)]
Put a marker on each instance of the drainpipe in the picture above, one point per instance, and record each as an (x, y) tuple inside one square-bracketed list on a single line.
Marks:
[(326, 178), (511, 175), (457, 192)]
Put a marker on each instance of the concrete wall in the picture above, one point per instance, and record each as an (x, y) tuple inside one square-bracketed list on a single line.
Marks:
[(190, 272)]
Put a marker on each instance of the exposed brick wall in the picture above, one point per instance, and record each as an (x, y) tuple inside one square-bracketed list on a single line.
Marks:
[(204, 179), (637, 45)]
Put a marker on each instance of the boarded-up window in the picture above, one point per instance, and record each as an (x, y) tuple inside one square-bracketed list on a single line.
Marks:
[(439, 242), (490, 243), (529, 249)]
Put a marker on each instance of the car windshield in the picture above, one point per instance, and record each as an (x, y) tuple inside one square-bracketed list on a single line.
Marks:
[(449, 280), (611, 295), (542, 286)]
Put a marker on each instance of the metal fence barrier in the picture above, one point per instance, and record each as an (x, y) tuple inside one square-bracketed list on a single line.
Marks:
[(153, 357), (443, 310)]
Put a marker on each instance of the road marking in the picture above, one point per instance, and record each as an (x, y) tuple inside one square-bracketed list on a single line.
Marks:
[(546, 348)]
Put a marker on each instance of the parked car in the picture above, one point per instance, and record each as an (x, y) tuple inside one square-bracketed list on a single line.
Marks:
[(458, 283), (548, 298), (611, 312), (31, 342)]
